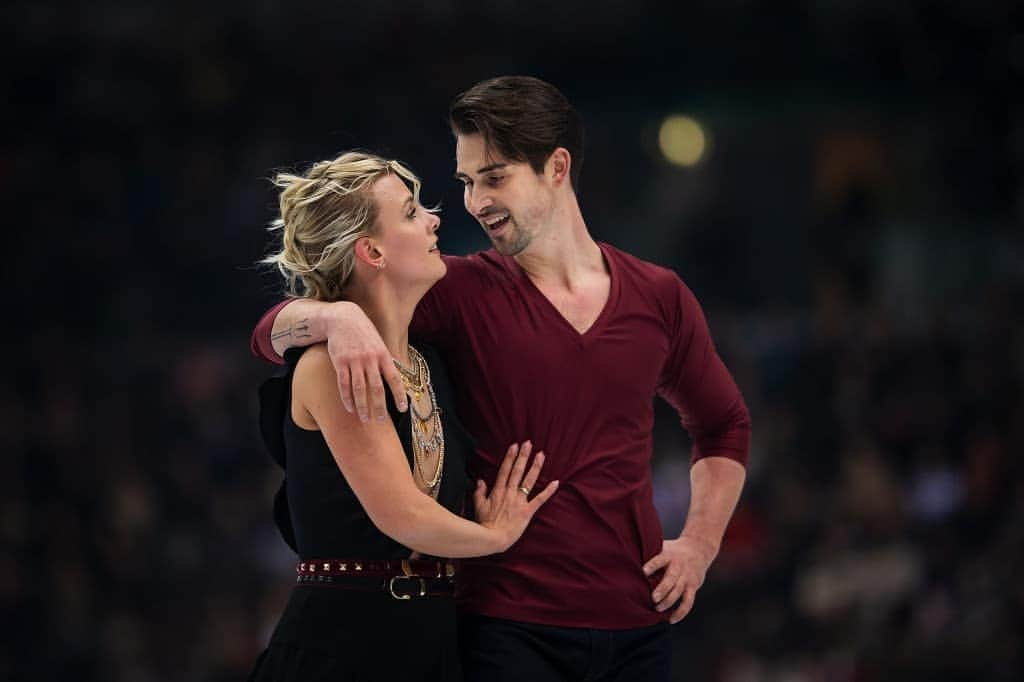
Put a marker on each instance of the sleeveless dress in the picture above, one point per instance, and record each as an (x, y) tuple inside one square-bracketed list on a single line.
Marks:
[(327, 633)]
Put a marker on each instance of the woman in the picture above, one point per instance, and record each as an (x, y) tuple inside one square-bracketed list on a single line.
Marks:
[(368, 504)]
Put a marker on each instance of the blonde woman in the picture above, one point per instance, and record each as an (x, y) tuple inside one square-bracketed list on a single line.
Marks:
[(372, 507)]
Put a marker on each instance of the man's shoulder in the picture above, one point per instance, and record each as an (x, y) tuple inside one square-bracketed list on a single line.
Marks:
[(658, 287), (487, 258), (468, 277), (643, 272), (480, 266)]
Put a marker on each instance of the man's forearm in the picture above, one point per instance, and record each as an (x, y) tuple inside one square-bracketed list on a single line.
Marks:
[(715, 487), (300, 323)]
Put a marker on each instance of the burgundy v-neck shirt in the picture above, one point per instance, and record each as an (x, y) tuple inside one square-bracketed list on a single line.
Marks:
[(522, 372)]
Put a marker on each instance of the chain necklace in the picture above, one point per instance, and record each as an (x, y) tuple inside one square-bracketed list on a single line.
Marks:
[(412, 378), (427, 435)]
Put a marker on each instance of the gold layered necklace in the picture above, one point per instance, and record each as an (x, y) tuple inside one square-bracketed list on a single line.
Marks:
[(427, 436)]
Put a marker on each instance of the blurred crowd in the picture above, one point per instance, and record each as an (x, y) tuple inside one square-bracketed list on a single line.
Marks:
[(854, 233)]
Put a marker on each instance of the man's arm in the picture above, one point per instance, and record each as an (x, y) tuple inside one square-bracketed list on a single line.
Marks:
[(300, 323), (276, 332), (259, 342), (360, 358), (696, 382), (362, 361), (715, 486)]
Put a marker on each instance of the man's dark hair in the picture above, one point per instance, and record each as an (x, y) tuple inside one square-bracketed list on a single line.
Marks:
[(522, 119)]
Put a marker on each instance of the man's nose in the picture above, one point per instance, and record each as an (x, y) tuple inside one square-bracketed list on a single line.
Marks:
[(478, 202)]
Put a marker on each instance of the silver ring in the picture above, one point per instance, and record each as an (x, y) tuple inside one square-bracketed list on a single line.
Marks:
[(524, 490)]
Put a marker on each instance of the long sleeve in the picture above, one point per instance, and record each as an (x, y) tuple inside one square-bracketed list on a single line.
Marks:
[(698, 385), (435, 318), (260, 343)]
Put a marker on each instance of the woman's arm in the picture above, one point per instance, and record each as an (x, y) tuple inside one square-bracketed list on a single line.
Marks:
[(370, 457)]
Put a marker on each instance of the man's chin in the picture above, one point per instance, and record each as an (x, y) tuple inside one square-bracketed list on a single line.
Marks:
[(507, 247)]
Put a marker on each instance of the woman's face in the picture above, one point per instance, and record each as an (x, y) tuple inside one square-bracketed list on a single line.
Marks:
[(407, 235)]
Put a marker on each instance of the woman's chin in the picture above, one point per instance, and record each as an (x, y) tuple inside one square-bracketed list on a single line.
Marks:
[(429, 278), (437, 272)]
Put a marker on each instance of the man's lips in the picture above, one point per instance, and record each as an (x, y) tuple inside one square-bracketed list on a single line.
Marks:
[(495, 222)]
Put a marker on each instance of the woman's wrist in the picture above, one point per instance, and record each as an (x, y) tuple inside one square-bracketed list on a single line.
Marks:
[(499, 539)]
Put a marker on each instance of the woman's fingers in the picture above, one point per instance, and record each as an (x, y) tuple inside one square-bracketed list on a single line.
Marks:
[(533, 473), (515, 477), (480, 494), (543, 496), (481, 503), (501, 481)]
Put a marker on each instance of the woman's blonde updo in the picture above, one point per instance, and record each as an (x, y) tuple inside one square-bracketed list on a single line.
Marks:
[(323, 214)]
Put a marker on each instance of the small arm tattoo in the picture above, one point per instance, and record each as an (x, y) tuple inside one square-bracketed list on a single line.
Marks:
[(299, 330)]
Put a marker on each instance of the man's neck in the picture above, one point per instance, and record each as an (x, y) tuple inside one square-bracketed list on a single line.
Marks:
[(563, 254)]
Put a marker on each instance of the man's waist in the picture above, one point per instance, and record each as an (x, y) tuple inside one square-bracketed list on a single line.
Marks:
[(528, 567), (592, 604)]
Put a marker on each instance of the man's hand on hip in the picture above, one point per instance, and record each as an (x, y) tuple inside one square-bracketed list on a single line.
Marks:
[(685, 561)]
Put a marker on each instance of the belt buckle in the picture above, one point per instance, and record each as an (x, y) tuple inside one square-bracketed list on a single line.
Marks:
[(403, 597)]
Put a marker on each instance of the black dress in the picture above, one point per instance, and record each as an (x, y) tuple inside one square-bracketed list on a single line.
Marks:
[(327, 633)]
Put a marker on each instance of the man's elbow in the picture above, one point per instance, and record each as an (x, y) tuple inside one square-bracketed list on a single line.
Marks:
[(730, 438), (262, 342)]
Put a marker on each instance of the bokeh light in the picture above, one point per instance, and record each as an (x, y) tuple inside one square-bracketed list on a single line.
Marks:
[(682, 140)]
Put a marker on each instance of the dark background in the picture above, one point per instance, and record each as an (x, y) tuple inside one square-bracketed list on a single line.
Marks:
[(854, 232)]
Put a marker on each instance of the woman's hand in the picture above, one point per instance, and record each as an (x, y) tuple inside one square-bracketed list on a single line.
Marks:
[(508, 508)]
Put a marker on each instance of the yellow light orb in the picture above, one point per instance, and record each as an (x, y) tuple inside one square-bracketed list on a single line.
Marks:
[(682, 140)]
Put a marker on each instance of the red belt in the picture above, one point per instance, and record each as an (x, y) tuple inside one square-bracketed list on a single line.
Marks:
[(401, 578)]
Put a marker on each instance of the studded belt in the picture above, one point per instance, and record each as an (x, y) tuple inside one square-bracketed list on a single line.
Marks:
[(401, 578)]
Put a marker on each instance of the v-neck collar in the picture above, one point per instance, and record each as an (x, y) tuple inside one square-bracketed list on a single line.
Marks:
[(600, 322)]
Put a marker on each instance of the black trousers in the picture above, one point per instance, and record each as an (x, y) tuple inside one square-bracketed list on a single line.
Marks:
[(332, 635), (496, 650)]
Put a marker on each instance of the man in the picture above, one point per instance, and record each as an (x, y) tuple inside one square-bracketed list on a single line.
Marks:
[(555, 338)]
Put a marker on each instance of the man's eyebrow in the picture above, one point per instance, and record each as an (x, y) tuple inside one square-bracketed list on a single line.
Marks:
[(459, 175)]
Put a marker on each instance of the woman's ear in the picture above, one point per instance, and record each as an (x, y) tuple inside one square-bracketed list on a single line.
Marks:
[(367, 252)]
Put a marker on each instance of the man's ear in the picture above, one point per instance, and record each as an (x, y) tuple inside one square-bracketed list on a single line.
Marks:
[(558, 166)]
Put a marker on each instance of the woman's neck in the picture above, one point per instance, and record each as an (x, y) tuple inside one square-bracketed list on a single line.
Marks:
[(390, 312)]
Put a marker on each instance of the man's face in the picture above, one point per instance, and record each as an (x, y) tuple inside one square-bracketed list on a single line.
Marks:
[(509, 200)]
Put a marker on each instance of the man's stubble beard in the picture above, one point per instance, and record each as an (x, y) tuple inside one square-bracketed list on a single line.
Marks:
[(516, 241)]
